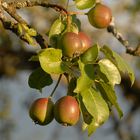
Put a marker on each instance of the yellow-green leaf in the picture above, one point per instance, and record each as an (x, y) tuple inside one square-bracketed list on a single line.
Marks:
[(86, 78), (110, 71), (50, 61), (119, 62), (109, 95), (84, 4), (95, 105)]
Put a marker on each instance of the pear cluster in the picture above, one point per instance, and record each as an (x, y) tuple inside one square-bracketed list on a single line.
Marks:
[(73, 44), (65, 111)]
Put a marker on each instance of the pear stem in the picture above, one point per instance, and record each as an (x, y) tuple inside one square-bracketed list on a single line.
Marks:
[(58, 81)]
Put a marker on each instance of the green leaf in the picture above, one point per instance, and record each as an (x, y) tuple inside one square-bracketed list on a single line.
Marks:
[(95, 105), (87, 117), (56, 28), (39, 79), (31, 41), (25, 26), (84, 4), (109, 94), (92, 127), (76, 21), (19, 29), (90, 56), (86, 79), (32, 32), (28, 30), (50, 61), (94, 110), (119, 62), (73, 28), (111, 72)]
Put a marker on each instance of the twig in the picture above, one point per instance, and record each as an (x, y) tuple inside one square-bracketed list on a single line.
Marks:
[(12, 12), (58, 8), (133, 51), (19, 5)]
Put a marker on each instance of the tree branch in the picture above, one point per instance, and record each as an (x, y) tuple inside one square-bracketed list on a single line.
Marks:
[(13, 26), (9, 25), (10, 8), (28, 3), (133, 51), (12, 12)]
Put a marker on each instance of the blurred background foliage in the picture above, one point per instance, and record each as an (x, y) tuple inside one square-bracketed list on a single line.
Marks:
[(16, 96)]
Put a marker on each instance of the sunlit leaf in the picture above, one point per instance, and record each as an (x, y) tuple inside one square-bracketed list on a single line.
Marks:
[(95, 105), (19, 29), (56, 28), (74, 28), (87, 117), (50, 61), (76, 21), (111, 72), (92, 127), (109, 94), (32, 32), (86, 79), (94, 110), (84, 4), (31, 41), (119, 62)]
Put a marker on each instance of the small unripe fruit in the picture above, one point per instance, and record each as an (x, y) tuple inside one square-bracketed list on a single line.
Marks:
[(70, 44), (85, 40), (100, 16), (66, 111), (41, 111)]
